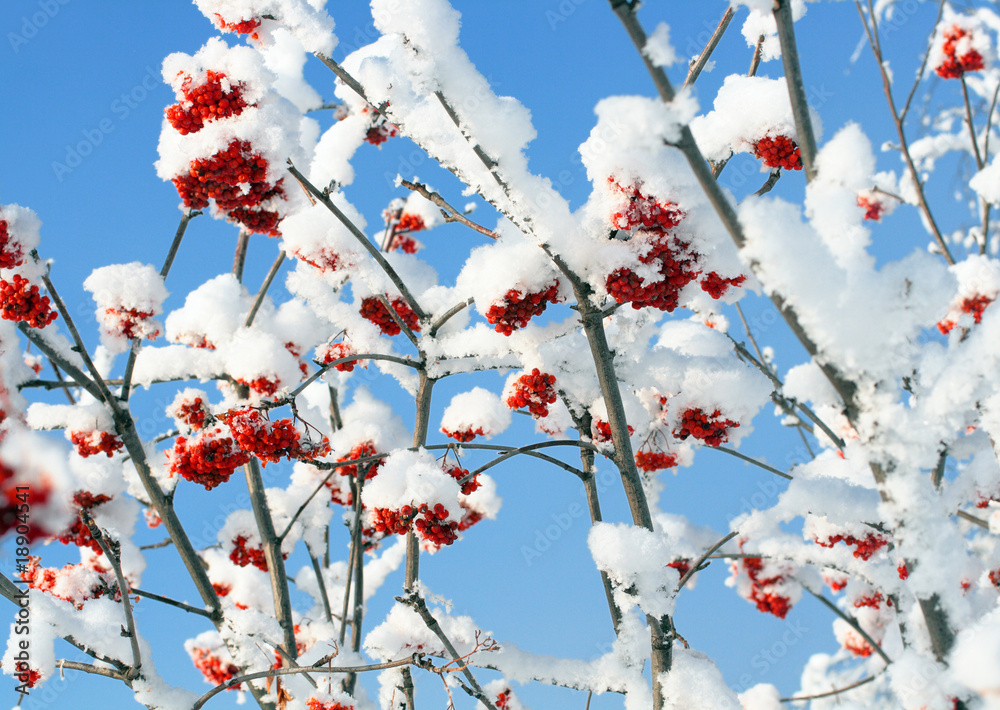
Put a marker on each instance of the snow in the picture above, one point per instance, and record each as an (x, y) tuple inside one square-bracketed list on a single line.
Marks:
[(476, 409), (658, 47)]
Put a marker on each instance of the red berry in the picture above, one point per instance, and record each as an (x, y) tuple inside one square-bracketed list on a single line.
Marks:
[(710, 428), (373, 310), (205, 102), (778, 152), (517, 308), (93, 442), (20, 301), (535, 391), (954, 66), (208, 459)]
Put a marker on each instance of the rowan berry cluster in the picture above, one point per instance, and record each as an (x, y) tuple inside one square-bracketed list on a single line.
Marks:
[(650, 461), (360, 451), (682, 565), (12, 500), (215, 669), (458, 473), (316, 703), (372, 310), (534, 390), (208, 459), (716, 286), (854, 643), (710, 428), (78, 533), (327, 353), (972, 305), (677, 267), (75, 584), (600, 431), (644, 212), (93, 442), (264, 386), (954, 64), (218, 97), (872, 207), (762, 593), (241, 555), (463, 435), (131, 323), (241, 27), (873, 600), (399, 234), (778, 152), (20, 301), (380, 130), (190, 412), (431, 522), (518, 307), (271, 441), (864, 547), (236, 178), (11, 251), (325, 259)]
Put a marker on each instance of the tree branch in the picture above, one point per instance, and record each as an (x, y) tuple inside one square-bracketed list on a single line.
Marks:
[(696, 67), (451, 214)]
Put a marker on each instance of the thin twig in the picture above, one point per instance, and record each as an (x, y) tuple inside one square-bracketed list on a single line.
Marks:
[(93, 670), (923, 66), (973, 519), (748, 459), (696, 67), (769, 184), (162, 543), (417, 603), (853, 623), (263, 289), (452, 214), (319, 667), (796, 87), (240, 257), (176, 244), (875, 43), (838, 691), (699, 564), (969, 122), (324, 595), (447, 315), (123, 589), (365, 242), (171, 602)]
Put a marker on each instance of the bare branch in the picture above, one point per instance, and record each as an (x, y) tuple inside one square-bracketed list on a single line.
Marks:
[(853, 623), (263, 289), (699, 564), (796, 87), (713, 42), (171, 602), (748, 459), (451, 214)]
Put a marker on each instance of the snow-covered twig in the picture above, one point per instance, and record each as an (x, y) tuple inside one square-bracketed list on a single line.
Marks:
[(451, 214), (796, 87)]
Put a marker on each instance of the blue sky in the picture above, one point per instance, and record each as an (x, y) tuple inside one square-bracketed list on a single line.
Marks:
[(83, 103)]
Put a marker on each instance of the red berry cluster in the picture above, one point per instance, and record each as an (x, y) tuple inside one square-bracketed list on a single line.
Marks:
[(645, 212), (236, 178), (764, 598), (953, 66), (11, 251), (359, 452), (124, 321), (192, 413), (864, 548), (995, 577), (600, 431), (271, 441), (208, 459), (243, 27), (873, 600), (325, 259), (458, 473), (399, 238), (535, 390), (264, 386), (334, 351), (903, 571), (503, 698), (20, 301), (12, 502), (89, 443), (974, 306), (778, 152), (463, 435), (716, 286), (409, 223), (53, 581), (241, 555), (380, 131), (372, 310), (317, 704), (872, 207), (205, 102), (710, 428), (650, 461), (430, 522), (517, 308), (404, 243), (683, 566), (854, 643), (78, 533), (216, 670), (677, 268)]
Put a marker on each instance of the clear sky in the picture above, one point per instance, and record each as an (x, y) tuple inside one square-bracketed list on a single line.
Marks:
[(82, 107)]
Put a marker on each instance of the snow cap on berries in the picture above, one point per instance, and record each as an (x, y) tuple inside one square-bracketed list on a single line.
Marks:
[(746, 110), (19, 234), (478, 412), (128, 296), (961, 44), (412, 478), (305, 20), (315, 237)]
